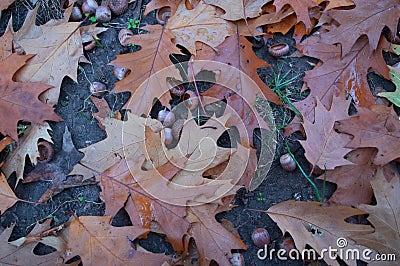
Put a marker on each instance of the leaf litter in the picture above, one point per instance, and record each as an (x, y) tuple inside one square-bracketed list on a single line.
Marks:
[(177, 190)]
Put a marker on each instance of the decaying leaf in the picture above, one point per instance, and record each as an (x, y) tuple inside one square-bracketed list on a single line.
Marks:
[(200, 24), (7, 196), (338, 3), (239, 9), (6, 43), (325, 147), (97, 242), (27, 145), (384, 217), (353, 181), (58, 47), (318, 226), (394, 97), (366, 18), (378, 127), (157, 4), (23, 255)]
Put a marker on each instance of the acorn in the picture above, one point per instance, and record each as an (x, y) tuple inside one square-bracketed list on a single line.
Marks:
[(260, 237), (103, 14), (278, 49), (76, 14), (287, 162), (124, 35), (162, 114), (177, 128), (190, 100), (169, 119), (97, 89), (121, 72), (287, 244), (46, 151), (163, 14), (89, 7), (175, 87), (118, 7), (168, 136), (237, 259)]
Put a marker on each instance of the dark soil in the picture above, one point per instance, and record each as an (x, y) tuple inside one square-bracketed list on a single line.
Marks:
[(76, 109)]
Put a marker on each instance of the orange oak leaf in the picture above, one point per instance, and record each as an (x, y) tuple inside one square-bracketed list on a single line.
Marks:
[(158, 4), (97, 242), (324, 147), (7, 196), (367, 18), (377, 127), (300, 7), (156, 46), (338, 3), (239, 9), (347, 74), (353, 181), (213, 240), (20, 100), (384, 216)]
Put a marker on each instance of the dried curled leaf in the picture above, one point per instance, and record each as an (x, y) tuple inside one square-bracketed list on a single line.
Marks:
[(239, 9)]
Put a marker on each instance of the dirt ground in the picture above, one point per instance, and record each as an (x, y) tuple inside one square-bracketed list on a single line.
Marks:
[(76, 109)]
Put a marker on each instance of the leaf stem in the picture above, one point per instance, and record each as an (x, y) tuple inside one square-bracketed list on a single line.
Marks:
[(304, 174)]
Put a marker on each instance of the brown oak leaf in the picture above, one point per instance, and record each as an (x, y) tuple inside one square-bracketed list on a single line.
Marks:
[(7, 196), (156, 46), (325, 147), (200, 24), (347, 74), (353, 181), (158, 4), (19, 100), (10, 254), (97, 242), (6, 45), (367, 18), (377, 127), (384, 216), (318, 226), (239, 9), (300, 7), (338, 3)]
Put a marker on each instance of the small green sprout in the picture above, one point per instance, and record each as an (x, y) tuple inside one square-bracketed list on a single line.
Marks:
[(133, 23), (260, 197), (93, 19)]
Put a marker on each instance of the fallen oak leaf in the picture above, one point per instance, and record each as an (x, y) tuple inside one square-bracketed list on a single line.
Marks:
[(347, 74), (368, 18), (6, 45), (200, 24), (27, 145), (156, 46), (58, 46), (158, 4), (213, 241), (384, 217), (338, 3), (310, 223), (300, 7), (24, 255), (7, 196), (97, 242), (239, 9), (5, 4), (353, 181), (378, 127), (18, 100), (325, 147)]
